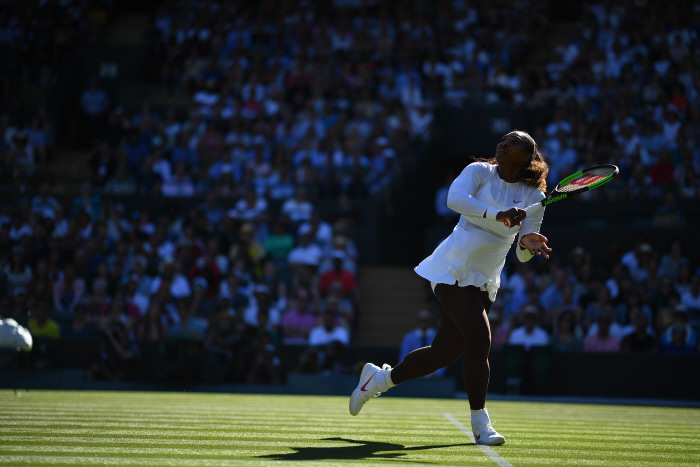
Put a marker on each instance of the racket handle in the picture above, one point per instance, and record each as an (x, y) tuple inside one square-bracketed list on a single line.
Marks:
[(530, 210)]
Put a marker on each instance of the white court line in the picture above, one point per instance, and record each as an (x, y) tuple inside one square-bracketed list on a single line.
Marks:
[(487, 450)]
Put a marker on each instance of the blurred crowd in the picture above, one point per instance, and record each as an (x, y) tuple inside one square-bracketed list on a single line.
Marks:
[(641, 300), (632, 301), (238, 281), (293, 104), (35, 39), (624, 86)]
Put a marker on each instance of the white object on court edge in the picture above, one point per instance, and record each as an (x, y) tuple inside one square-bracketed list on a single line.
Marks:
[(12, 335)]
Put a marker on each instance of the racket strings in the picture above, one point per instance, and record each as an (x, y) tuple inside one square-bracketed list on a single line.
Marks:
[(587, 179)]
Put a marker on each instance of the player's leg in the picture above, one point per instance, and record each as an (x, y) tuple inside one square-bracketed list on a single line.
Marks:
[(468, 307), (475, 366), (445, 349)]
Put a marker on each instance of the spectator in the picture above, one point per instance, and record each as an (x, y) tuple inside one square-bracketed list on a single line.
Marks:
[(122, 183), (691, 298), (44, 202), (338, 275), (673, 260), (118, 356), (213, 210), (39, 137), (170, 280), (602, 340), (17, 273), (309, 362), (597, 308), (421, 336), (662, 172), (328, 332), (261, 300), (298, 320), (179, 184), (530, 333), (298, 208), (343, 244), (151, 326), (567, 333), (640, 340), (86, 201), (233, 292), (103, 164), (69, 290), (188, 325), (94, 104), (321, 231), (677, 341), (41, 325), (266, 364), (221, 345), (305, 258), (683, 283), (278, 244), (81, 328), (21, 153), (248, 249), (552, 297), (670, 342), (500, 329), (665, 296), (669, 214), (251, 208), (98, 299)]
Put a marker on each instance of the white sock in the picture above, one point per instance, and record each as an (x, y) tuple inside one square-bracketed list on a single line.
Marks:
[(480, 416)]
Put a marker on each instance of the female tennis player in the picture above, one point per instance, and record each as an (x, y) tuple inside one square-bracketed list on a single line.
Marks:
[(464, 272)]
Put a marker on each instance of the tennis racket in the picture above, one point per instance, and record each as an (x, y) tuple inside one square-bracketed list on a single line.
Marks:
[(579, 182)]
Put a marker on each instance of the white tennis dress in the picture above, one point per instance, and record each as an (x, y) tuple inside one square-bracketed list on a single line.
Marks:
[(475, 252)]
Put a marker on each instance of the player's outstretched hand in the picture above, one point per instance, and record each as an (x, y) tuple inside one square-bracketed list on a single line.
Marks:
[(536, 244), (511, 217)]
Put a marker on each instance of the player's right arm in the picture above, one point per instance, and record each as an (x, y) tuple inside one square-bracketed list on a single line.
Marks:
[(460, 196)]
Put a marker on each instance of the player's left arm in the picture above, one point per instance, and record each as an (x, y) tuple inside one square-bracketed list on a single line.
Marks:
[(530, 241)]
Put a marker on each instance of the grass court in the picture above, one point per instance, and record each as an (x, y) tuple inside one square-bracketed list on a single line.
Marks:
[(184, 429)]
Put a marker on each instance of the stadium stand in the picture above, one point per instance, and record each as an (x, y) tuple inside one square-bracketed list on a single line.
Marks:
[(166, 218)]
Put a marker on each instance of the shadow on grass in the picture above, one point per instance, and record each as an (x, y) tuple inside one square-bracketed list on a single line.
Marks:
[(359, 450)]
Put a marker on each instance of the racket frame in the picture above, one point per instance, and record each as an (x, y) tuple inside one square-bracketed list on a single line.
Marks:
[(556, 195)]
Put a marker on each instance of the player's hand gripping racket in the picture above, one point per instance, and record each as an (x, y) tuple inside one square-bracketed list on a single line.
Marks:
[(579, 182)]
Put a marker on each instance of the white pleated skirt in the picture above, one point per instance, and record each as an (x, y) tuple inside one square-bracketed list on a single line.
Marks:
[(468, 256)]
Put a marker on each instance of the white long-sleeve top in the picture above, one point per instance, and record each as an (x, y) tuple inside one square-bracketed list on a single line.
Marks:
[(475, 252)]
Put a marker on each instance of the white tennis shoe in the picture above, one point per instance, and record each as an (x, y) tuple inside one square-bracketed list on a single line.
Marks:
[(373, 381), (482, 429), (485, 434)]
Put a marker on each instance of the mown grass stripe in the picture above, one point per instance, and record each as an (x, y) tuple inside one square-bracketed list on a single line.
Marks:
[(130, 428), (148, 461)]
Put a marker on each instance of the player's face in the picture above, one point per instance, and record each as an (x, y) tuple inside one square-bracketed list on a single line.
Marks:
[(514, 149)]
